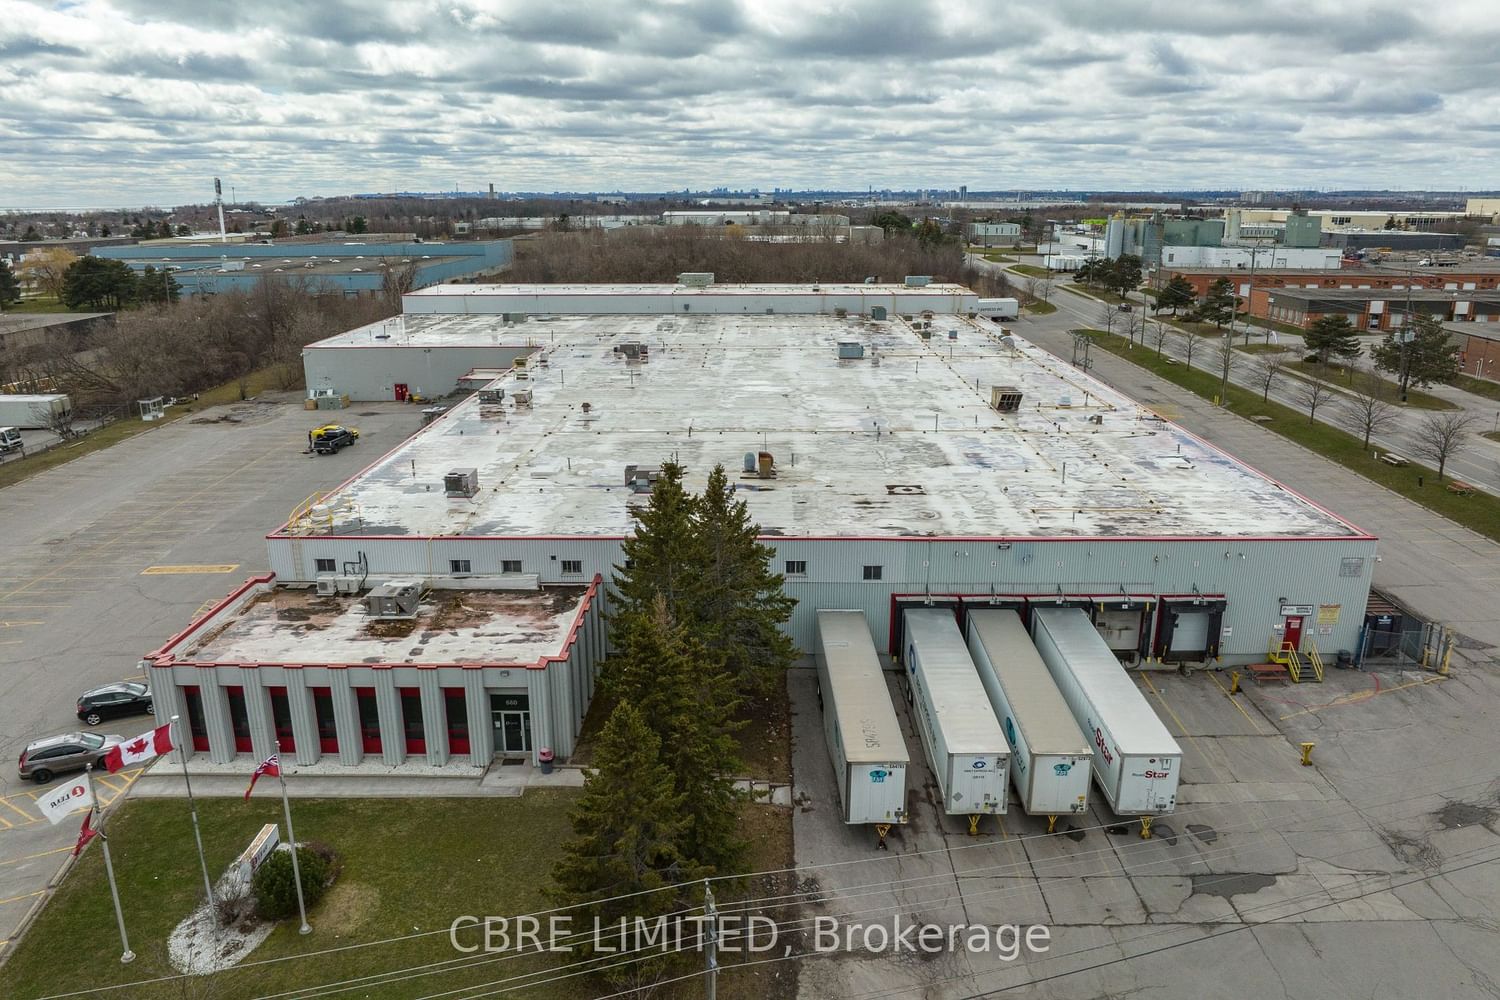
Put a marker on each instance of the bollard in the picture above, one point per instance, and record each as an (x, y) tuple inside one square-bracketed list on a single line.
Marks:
[(1234, 682), (1307, 749)]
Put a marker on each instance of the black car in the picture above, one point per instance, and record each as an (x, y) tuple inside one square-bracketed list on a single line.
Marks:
[(114, 700)]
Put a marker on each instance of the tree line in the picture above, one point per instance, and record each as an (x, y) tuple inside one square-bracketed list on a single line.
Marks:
[(176, 349), (696, 626)]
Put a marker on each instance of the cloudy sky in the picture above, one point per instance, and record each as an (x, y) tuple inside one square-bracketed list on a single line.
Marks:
[(129, 102)]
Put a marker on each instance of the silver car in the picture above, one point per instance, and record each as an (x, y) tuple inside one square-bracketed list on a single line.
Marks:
[(44, 758)]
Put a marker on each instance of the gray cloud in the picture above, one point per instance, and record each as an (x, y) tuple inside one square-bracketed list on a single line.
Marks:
[(143, 101)]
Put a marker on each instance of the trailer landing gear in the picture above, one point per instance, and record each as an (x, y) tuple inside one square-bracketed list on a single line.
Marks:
[(1146, 827), (1051, 824), (974, 819), (881, 829)]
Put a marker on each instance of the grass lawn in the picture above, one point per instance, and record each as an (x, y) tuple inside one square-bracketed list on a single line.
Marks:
[(1098, 294), (1271, 324), (40, 304), (1479, 511), (96, 440), (991, 254), (1338, 376), (410, 866), (1040, 308), (1260, 348), (1031, 270), (1491, 435), (1478, 386)]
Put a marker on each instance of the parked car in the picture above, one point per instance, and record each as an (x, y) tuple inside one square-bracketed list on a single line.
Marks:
[(331, 438), (1126, 307), (114, 700), (43, 759)]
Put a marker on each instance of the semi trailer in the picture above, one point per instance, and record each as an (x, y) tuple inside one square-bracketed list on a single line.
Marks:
[(1137, 764), (1050, 761), (968, 753), (859, 724)]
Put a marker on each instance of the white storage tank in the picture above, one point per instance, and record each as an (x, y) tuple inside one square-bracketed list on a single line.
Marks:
[(964, 744), (1050, 760), (1137, 763), (859, 722)]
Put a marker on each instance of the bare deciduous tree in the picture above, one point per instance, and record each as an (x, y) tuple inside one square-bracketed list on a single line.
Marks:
[(1268, 369), (1367, 415), (1440, 436), (1313, 393), (1160, 332), (1189, 343), (1107, 316), (1227, 357)]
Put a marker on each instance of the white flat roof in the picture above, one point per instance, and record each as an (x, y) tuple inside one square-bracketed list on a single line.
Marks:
[(900, 443), (452, 626), (934, 289)]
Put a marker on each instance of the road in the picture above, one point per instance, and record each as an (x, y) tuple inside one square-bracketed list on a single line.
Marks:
[(1478, 463), (108, 555)]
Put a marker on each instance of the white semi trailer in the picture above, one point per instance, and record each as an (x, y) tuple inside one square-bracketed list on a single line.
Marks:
[(999, 309), (1050, 761), (1137, 763), (859, 723), (33, 410), (964, 744)]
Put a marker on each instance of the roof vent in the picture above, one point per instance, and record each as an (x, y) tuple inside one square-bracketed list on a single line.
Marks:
[(1005, 398), (918, 280)]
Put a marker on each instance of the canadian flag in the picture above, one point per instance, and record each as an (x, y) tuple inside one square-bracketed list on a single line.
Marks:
[(270, 766), (143, 747)]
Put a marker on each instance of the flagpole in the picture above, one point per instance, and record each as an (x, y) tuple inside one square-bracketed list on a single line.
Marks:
[(208, 886), (286, 805), (126, 956)]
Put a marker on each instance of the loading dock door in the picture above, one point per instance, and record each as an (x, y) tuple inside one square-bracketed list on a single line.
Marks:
[(1190, 630)]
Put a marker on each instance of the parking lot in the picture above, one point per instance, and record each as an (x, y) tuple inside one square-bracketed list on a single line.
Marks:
[(1368, 874), (110, 554)]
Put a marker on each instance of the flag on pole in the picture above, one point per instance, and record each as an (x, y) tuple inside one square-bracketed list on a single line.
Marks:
[(64, 800), (270, 766), (142, 748), (86, 834)]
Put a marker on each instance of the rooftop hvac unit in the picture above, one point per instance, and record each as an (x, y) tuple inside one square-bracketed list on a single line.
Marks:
[(326, 587), (461, 483), (851, 349), (346, 584), (640, 478), (1005, 398), (633, 350), (491, 396), (397, 599), (696, 279), (522, 398)]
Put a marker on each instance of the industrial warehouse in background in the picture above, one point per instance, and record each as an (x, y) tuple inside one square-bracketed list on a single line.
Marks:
[(897, 449)]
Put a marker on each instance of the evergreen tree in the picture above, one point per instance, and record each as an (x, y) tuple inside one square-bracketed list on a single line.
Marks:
[(1176, 294), (1332, 336), (98, 283), (1123, 274), (1217, 306), (10, 288), (689, 701), (1430, 355), (662, 555), (627, 826), (157, 287), (739, 602)]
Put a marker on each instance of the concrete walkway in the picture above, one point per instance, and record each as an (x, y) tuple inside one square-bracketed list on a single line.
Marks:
[(367, 780), (1440, 569)]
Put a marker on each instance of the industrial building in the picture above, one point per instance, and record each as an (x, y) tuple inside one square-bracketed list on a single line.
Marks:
[(1374, 309), (351, 266), (993, 233), (445, 603)]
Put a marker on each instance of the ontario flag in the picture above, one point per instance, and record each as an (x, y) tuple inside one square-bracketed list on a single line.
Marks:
[(86, 834), (143, 747), (271, 766)]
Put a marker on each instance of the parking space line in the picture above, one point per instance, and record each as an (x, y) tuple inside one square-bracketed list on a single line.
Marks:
[(33, 857), (23, 813), (22, 624), (6, 824), (1235, 702), (29, 895), (187, 569), (1361, 696)]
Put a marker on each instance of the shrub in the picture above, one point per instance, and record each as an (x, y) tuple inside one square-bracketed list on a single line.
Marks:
[(276, 890)]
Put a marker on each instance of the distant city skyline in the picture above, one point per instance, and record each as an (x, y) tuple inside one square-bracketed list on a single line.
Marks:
[(112, 103)]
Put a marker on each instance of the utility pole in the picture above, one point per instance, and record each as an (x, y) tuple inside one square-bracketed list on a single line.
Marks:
[(1228, 358), (711, 942)]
